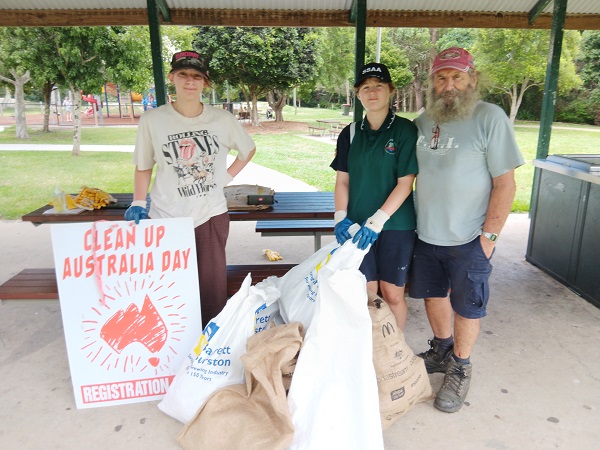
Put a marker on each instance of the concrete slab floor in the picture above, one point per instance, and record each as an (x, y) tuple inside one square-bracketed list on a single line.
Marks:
[(536, 371)]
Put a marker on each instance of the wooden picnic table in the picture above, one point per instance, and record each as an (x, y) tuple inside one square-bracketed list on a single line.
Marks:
[(287, 205), (333, 123), (289, 208), (335, 126)]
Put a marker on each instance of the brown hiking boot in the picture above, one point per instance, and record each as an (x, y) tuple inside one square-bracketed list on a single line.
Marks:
[(453, 392)]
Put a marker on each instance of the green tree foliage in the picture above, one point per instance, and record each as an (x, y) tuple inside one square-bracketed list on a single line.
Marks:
[(132, 68), (260, 60), (515, 60), (82, 59), (455, 37), (590, 73), (416, 44), (75, 57), (392, 54), (335, 63), (590, 57), (15, 73)]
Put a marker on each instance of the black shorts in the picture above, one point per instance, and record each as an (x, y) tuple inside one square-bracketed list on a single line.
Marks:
[(389, 258), (464, 270)]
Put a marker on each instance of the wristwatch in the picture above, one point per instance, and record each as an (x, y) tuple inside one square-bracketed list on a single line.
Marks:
[(491, 236)]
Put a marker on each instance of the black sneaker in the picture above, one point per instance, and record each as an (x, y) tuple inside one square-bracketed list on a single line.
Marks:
[(435, 359), (454, 390)]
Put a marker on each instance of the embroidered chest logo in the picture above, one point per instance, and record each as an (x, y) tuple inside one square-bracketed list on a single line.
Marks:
[(390, 147)]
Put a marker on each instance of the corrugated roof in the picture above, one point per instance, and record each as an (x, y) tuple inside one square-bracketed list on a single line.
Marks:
[(495, 6), (400, 13)]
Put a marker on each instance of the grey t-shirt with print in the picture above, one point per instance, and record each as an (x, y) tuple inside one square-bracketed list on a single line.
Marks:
[(455, 179)]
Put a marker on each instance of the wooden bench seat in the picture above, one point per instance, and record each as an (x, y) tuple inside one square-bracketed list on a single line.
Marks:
[(36, 284), (236, 274), (335, 132), (312, 129), (31, 284), (316, 228)]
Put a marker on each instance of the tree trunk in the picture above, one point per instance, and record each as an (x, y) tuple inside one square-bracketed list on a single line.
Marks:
[(254, 120), (277, 101), (517, 98), (433, 37), (19, 82), (47, 91), (21, 119), (76, 120), (418, 89), (348, 96)]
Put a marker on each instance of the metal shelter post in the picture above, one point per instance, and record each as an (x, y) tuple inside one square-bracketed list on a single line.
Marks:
[(160, 89), (551, 82), (550, 89), (358, 14)]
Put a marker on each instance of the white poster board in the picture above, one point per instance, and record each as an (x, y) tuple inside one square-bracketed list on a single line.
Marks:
[(130, 304)]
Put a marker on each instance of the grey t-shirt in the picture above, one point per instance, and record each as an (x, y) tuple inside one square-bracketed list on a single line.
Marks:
[(455, 180)]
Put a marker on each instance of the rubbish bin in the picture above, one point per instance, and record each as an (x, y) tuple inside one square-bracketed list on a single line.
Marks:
[(564, 222), (346, 109)]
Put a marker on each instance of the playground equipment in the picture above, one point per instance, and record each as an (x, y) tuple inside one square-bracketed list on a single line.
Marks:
[(123, 101), (94, 103)]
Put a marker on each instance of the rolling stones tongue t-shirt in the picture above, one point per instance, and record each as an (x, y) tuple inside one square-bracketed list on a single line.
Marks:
[(191, 159)]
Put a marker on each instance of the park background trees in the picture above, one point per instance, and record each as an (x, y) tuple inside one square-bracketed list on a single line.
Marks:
[(80, 59), (515, 61), (261, 61), (252, 64)]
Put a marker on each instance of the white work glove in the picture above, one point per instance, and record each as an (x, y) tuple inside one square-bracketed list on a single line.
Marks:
[(370, 230)]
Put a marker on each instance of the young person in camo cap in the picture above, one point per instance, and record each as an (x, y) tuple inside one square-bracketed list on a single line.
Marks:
[(188, 142), (464, 192), (376, 166)]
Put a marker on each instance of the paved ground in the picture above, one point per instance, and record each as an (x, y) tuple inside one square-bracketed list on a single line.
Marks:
[(536, 382)]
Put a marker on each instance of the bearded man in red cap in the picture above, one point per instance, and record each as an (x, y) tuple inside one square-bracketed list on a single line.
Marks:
[(467, 155)]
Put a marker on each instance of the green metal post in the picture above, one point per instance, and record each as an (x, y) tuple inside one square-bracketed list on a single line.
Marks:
[(550, 88), (361, 31), (537, 10), (160, 89), (551, 83)]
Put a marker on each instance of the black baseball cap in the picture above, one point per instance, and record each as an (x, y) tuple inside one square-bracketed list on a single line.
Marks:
[(373, 70), (189, 59)]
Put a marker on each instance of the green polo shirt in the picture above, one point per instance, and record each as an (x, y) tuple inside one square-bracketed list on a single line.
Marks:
[(374, 161)]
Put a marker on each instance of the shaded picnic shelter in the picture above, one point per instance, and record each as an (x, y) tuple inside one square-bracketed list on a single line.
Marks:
[(556, 15), (539, 385)]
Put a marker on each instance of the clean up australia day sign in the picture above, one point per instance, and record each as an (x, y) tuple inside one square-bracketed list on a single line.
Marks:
[(130, 306)]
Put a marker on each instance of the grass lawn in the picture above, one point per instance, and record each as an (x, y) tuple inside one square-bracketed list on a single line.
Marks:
[(28, 178)]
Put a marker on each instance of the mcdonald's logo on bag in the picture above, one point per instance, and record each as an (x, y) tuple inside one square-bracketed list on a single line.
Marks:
[(389, 328)]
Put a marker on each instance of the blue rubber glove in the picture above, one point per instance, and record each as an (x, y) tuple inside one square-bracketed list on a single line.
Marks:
[(341, 230), (370, 230), (137, 211), (364, 237)]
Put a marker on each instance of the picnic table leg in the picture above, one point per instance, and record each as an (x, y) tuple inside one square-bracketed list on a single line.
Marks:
[(318, 235)]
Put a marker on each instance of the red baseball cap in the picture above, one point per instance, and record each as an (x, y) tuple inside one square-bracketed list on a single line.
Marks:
[(453, 58)]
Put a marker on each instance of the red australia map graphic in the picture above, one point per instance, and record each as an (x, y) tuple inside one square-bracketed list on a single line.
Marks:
[(132, 325), (112, 338)]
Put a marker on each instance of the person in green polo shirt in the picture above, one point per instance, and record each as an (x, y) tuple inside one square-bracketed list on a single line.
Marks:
[(376, 166)]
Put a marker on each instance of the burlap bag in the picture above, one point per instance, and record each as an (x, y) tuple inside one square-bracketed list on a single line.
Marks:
[(402, 379), (254, 415)]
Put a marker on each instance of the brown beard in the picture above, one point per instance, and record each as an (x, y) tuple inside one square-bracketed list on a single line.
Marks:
[(451, 105)]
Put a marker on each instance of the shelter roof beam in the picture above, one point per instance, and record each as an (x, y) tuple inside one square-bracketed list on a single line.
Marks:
[(537, 10), (292, 18)]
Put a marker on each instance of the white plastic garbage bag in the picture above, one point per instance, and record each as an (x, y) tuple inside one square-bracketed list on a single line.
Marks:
[(215, 361), (333, 397), (299, 286)]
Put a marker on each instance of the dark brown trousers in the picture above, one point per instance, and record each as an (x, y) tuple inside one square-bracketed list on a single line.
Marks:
[(211, 239)]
